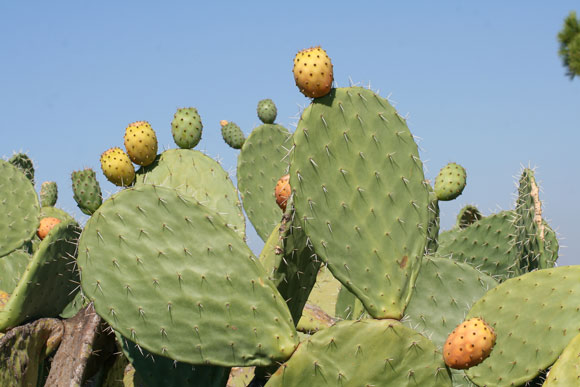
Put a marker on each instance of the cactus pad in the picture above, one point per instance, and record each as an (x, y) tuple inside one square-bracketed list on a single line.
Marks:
[(24, 163), (170, 275), (443, 294), (267, 111), (261, 162), (534, 316), (11, 268), (48, 283), (364, 353), (86, 190), (360, 193), (48, 194), (233, 135), (199, 177), (566, 370), (19, 208)]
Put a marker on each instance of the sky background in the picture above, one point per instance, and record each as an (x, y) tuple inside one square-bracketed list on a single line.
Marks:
[(482, 84)]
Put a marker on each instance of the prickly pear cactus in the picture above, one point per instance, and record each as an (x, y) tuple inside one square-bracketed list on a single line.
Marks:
[(11, 268), (48, 194), (262, 161), (24, 163), (360, 192), (467, 216), (49, 281), (199, 177), (117, 167), (267, 111), (169, 274), (19, 208), (364, 353), (159, 371), (534, 316), (86, 190), (488, 244), (566, 370), (233, 135)]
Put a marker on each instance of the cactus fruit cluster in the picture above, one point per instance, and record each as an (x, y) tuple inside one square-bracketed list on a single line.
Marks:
[(355, 285)]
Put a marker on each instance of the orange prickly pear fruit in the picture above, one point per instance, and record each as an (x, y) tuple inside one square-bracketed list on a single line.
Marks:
[(469, 344), (283, 191), (46, 224), (313, 72)]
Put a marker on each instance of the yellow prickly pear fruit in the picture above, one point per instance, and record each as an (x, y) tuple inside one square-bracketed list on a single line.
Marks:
[(469, 344), (117, 167), (141, 143), (313, 72), (283, 191), (4, 297)]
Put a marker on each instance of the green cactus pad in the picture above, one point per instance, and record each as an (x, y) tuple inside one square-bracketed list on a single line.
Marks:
[(467, 216), (11, 268), (168, 274), (159, 371), (86, 190), (348, 307), (566, 370), (267, 111), (199, 177), (48, 194), (488, 245), (549, 254), (186, 127), (233, 135), (24, 163), (293, 267), (19, 208), (444, 292), (361, 195), (450, 182), (54, 212), (48, 283), (314, 319), (534, 317), (262, 161), (434, 223), (364, 353)]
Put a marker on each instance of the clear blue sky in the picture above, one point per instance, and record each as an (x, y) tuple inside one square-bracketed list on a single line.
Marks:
[(482, 83)]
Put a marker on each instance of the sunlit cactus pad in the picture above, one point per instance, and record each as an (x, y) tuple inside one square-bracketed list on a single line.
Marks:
[(364, 353), (360, 192), (167, 273), (19, 208), (199, 177), (534, 317)]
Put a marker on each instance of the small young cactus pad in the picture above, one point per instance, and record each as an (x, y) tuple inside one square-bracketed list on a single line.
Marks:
[(233, 135), (186, 127), (450, 182), (86, 190), (48, 194), (313, 72), (267, 111)]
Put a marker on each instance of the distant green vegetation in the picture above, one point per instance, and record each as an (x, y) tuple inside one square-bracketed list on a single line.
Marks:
[(569, 38)]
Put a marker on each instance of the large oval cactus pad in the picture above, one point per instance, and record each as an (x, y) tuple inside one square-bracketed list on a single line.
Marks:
[(566, 370), (19, 208), (168, 274), (197, 176), (262, 161), (48, 283), (361, 194), (534, 317), (11, 268), (364, 353)]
